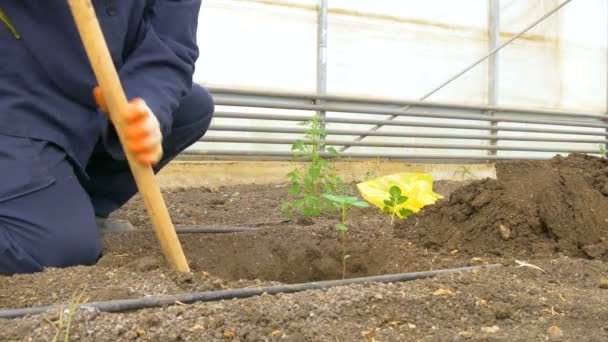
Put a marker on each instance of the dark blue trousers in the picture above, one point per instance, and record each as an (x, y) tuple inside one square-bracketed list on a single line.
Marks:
[(47, 214)]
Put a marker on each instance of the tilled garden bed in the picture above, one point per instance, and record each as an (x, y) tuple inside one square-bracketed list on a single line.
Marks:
[(544, 222)]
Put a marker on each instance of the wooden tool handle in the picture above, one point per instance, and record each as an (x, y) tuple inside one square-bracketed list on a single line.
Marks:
[(109, 82)]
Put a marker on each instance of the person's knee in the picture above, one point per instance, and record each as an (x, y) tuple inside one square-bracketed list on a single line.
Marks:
[(196, 108), (72, 251), (29, 255), (63, 247), (203, 101)]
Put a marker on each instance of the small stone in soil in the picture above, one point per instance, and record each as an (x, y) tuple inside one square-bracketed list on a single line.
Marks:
[(490, 330), (505, 232), (605, 190), (131, 335), (554, 333), (217, 202), (145, 264), (502, 313), (305, 221), (597, 250)]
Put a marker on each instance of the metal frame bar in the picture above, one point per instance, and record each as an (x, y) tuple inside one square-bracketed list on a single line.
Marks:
[(330, 131), (354, 155), (276, 117), (288, 141), (606, 114), (220, 93), (322, 9), (380, 110), (493, 65)]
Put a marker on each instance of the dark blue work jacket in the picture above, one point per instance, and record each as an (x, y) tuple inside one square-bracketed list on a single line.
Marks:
[(46, 81)]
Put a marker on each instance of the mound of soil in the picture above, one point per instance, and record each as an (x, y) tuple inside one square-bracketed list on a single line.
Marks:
[(533, 207)]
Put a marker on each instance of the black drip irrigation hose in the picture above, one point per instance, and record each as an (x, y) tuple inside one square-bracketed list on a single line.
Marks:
[(188, 298), (189, 229), (212, 230)]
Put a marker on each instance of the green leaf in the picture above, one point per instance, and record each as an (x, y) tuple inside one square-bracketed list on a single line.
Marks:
[(294, 190), (405, 212), (387, 210), (311, 199), (298, 146), (350, 199), (346, 256), (332, 151), (341, 227), (389, 203), (323, 163), (294, 176), (311, 212), (395, 191), (401, 200), (308, 183), (314, 173), (360, 204), (335, 198)]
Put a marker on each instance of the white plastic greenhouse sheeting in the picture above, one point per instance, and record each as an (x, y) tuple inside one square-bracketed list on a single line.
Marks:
[(402, 49)]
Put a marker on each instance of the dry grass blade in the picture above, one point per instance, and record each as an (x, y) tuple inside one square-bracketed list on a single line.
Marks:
[(65, 318), (72, 312), (525, 264)]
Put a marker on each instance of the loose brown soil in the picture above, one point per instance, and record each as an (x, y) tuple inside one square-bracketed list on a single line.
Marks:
[(533, 208), (553, 215)]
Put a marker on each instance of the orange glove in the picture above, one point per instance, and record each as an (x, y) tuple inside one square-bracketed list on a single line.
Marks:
[(143, 135)]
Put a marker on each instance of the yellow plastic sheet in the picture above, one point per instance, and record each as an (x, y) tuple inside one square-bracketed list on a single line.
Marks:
[(418, 187)]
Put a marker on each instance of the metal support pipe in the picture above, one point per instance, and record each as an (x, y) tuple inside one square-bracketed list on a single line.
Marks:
[(308, 98), (296, 130), (379, 110), (451, 79), (606, 114), (493, 42), (255, 116), (354, 155), (321, 58), (287, 141)]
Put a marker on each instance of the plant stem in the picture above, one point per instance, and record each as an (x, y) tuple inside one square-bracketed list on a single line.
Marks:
[(343, 254), (343, 242)]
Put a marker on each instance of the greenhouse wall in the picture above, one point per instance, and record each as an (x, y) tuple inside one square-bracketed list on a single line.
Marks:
[(402, 50)]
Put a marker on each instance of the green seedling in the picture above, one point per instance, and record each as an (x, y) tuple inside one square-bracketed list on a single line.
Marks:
[(344, 203), (395, 200), (308, 184), (603, 151)]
